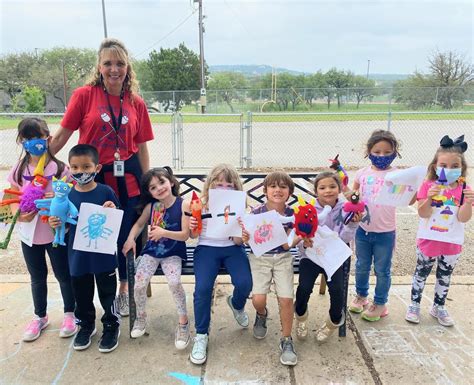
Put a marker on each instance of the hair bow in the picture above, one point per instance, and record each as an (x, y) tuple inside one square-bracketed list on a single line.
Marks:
[(447, 142)]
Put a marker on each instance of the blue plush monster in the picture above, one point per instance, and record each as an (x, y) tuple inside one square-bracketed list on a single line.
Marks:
[(60, 206)]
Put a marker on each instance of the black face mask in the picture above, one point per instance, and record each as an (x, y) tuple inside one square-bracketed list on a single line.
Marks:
[(83, 178)]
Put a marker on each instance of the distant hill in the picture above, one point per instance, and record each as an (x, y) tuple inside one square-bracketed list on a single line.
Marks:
[(250, 69), (256, 70)]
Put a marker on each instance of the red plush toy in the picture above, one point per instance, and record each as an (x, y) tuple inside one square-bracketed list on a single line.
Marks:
[(306, 218)]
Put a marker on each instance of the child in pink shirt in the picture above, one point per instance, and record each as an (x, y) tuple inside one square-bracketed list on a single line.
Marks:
[(33, 135), (442, 190), (375, 237)]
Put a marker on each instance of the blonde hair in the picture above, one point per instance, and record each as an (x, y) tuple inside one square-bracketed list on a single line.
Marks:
[(130, 83), (227, 172), (432, 175)]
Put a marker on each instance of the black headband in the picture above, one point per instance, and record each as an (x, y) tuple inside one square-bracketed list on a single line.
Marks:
[(447, 142)]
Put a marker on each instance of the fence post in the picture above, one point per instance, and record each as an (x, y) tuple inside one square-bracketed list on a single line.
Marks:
[(242, 136), (249, 139), (389, 120), (174, 141)]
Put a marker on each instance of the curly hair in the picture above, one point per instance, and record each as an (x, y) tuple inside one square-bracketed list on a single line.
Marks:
[(118, 48)]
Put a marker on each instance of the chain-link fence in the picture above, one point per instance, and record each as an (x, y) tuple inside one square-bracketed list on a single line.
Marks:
[(282, 140), (356, 99)]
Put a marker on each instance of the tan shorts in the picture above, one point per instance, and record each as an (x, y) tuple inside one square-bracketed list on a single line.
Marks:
[(272, 267)]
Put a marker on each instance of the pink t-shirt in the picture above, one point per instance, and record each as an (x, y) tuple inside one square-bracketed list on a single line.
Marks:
[(429, 247), (377, 218), (43, 232)]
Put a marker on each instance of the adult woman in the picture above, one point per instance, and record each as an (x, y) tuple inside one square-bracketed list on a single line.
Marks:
[(111, 116)]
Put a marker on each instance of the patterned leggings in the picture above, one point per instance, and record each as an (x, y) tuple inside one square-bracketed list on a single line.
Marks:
[(424, 264), (171, 267)]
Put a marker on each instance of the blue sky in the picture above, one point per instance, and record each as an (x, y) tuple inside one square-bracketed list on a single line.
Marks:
[(396, 36)]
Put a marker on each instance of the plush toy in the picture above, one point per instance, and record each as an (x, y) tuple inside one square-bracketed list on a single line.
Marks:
[(306, 218), (33, 191), (60, 206), (438, 200), (352, 207), (336, 166), (195, 206)]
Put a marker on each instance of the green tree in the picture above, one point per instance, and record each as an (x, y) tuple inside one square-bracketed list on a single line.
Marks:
[(176, 69), (447, 84), (34, 99), (227, 85), (362, 88), (15, 71), (339, 81), (314, 85)]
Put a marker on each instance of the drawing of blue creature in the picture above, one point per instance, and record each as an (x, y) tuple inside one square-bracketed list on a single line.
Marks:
[(96, 229)]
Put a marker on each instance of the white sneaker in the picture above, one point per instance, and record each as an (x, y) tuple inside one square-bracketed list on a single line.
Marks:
[(182, 336), (240, 316), (139, 328), (441, 313), (199, 353), (413, 313), (122, 304)]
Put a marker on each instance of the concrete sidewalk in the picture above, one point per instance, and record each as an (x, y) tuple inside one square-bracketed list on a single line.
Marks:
[(391, 351)]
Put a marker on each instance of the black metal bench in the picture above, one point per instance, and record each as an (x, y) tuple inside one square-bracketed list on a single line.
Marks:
[(253, 185)]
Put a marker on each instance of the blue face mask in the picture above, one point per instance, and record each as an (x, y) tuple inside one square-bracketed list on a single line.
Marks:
[(382, 162), (36, 146), (451, 174)]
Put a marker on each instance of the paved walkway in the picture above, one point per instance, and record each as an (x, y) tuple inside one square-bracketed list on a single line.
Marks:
[(388, 352)]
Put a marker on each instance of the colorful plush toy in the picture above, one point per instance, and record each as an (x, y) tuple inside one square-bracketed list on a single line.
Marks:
[(60, 206), (32, 192), (438, 200), (195, 206), (306, 218), (352, 207), (336, 166)]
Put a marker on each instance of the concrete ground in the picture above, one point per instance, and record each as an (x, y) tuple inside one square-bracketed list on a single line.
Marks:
[(391, 351)]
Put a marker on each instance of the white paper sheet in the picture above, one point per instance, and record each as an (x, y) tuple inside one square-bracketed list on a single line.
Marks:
[(97, 229), (328, 251), (26, 230), (266, 231), (225, 207), (400, 186), (443, 226)]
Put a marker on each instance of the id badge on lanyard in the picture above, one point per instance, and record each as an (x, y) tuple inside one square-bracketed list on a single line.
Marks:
[(119, 165)]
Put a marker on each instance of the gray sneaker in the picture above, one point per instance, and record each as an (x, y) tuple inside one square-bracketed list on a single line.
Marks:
[(260, 325), (122, 304), (240, 316), (182, 336), (199, 353), (413, 313), (288, 355)]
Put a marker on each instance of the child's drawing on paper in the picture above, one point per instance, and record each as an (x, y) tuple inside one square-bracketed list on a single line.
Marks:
[(225, 206), (95, 229), (226, 213)]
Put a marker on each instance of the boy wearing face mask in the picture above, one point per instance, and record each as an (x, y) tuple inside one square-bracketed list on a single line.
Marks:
[(86, 266)]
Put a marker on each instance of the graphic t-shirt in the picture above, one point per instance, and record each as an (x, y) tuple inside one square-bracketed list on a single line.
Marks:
[(433, 248), (88, 111), (377, 218), (169, 219)]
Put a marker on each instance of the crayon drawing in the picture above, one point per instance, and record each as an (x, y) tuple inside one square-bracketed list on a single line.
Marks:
[(443, 225), (225, 206)]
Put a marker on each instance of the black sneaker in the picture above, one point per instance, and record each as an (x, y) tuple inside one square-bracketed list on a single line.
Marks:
[(109, 340), (83, 337)]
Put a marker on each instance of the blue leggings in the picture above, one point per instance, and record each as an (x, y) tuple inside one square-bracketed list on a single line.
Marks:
[(207, 262)]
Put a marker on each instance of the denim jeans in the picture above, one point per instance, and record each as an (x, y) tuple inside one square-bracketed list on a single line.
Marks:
[(376, 247)]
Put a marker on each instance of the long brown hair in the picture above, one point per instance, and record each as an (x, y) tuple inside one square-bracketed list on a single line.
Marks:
[(30, 128), (432, 175), (130, 83)]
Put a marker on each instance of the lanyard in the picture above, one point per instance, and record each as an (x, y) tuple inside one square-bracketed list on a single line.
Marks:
[(116, 124)]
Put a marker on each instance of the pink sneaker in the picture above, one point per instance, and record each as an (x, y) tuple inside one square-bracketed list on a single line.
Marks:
[(68, 327), (33, 330), (358, 304), (375, 312)]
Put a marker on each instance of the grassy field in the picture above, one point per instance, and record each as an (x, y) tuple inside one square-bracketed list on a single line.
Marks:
[(373, 112)]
